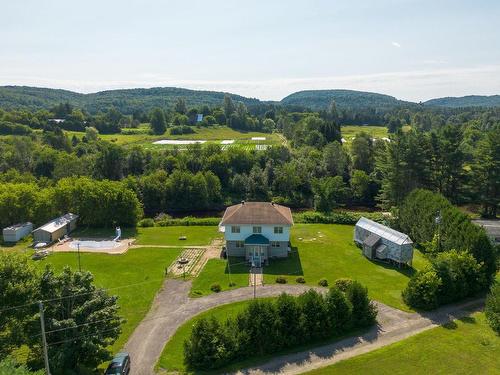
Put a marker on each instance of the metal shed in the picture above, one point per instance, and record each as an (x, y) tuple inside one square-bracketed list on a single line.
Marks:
[(381, 242), (55, 229), (16, 232)]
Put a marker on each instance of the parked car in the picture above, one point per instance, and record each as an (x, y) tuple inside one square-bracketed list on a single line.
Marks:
[(120, 365)]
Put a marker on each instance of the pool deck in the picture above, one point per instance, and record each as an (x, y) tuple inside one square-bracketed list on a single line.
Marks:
[(121, 249)]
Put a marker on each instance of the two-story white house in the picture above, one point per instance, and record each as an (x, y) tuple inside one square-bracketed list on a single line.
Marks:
[(257, 231)]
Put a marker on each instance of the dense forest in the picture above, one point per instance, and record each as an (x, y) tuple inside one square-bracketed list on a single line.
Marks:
[(453, 152)]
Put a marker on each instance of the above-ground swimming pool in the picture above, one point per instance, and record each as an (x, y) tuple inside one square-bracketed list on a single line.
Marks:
[(94, 244)]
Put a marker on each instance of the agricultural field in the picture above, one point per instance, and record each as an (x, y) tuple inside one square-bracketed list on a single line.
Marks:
[(323, 251), (212, 135), (465, 346), (349, 132)]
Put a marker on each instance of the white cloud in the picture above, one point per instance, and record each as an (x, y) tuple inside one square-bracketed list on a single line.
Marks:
[(418, 85), (396, 44)]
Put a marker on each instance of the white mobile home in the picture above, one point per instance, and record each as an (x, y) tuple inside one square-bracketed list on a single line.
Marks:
[(381, 242), (17, 232), (55, 229)]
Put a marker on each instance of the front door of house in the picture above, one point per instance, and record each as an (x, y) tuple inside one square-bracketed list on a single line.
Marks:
[(255, 255)]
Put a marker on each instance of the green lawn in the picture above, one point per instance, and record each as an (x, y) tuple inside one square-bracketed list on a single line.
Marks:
[(324, 251), (173, 353), (350, 131), (213, 133), (164, 236), (466, 346), (216, 271), (195, 235), (136, 276)]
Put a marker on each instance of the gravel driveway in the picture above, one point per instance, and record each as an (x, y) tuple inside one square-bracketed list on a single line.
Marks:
[(172, 307)]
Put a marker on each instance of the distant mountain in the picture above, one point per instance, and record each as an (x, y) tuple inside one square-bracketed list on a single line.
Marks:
[(126, 100), (321, 99), (465, 101)]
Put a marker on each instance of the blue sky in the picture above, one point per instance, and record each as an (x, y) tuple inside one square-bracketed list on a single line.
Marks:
[(412, 49)]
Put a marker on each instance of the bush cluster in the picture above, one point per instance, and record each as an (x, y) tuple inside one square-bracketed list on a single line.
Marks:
[(342, 217), (267, 326), (281, 280), (492, 308), (462, 259), (182, 129)]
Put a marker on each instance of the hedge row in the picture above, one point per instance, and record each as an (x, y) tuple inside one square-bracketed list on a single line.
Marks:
[(268, 326), (340, 217)]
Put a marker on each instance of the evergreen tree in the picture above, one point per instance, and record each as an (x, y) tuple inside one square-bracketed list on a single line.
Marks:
[(158, 122)]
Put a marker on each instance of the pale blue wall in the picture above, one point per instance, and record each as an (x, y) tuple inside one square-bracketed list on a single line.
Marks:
[(267, 231)]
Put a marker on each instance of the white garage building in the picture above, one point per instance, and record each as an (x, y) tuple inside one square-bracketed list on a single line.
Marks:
[(17, 232), (55, 229)]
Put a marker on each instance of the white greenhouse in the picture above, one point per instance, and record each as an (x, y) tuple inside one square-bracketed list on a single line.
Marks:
[(381, 242)]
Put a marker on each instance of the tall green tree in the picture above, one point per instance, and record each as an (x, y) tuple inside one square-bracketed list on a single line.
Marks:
[(81, 321), (158, 121)]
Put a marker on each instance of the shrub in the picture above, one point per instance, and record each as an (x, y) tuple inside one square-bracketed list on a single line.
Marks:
[(231, 284), (145, 223), (179, 130), (323, 282), (281, 280), (364, 312), (266, 326), (492, 308), (339, 310), (300, 280), (422, 290), (343, 283), (215, 288)]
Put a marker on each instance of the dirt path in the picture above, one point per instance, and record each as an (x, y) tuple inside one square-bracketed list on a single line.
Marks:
[(172, 307)]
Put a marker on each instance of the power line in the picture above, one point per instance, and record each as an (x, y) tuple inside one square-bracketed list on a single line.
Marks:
[(79, 294), (81, 337), (81, 325)]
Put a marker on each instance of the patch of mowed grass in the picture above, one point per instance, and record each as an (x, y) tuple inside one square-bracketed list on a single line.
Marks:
[(465, 346), (328, 251), (199, 235), (350, 131), (216, 272), (172, 356), (135, 277)]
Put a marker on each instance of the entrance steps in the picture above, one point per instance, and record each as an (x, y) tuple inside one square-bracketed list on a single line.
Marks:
[(255, 277)]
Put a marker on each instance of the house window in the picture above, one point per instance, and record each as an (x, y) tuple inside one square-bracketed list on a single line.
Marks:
[(278, 230), (240, 244), (235, 229), (275, 244), (257, 230)]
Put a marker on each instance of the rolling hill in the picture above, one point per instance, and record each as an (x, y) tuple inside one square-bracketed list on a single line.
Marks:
[(320, 99), (465, 101), (126, 100)]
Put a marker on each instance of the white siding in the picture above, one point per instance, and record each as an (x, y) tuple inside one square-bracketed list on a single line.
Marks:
[(267, 231)]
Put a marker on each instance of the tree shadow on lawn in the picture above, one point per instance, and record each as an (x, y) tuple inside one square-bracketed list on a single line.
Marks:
[(406, 270), (277, 266)]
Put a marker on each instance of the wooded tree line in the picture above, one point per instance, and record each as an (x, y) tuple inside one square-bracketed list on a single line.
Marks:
[(81, 320), (463, 261), (266, 326), (459, 157)]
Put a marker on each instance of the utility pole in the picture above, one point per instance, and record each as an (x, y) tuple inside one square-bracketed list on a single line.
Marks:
[(44, 339), (229, 268), (79, 264)]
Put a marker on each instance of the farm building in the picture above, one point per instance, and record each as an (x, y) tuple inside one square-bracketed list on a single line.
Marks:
[(55, 229), (257, 231), (16, 232), (381, 242)]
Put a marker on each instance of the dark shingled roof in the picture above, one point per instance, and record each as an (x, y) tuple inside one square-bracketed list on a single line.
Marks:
[(257, 213)]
